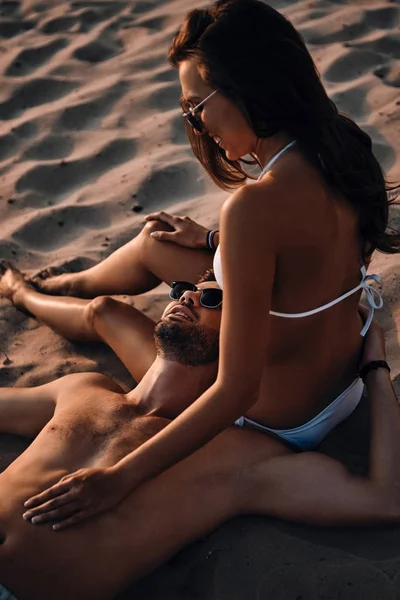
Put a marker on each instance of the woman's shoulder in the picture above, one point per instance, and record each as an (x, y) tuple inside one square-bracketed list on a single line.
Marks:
[(251, 196), (275, 194), (290, 201), (252, 211)]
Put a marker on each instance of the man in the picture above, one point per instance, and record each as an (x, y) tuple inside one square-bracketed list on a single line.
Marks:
[(86, 421)]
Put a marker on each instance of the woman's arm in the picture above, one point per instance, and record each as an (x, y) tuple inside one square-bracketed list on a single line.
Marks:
[(248, 264)]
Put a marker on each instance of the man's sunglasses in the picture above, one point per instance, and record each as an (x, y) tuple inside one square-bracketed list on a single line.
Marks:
[(209, 298), (190, 117)]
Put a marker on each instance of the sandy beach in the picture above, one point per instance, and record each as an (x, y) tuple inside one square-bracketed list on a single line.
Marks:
[(91, 140)]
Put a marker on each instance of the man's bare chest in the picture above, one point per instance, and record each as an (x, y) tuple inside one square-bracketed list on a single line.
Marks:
[(99, 428)]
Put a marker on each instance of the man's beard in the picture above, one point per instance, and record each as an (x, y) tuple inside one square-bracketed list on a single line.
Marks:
[(191, 346)]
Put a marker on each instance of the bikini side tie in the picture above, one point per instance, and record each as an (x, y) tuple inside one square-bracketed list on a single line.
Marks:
[(374, 298)]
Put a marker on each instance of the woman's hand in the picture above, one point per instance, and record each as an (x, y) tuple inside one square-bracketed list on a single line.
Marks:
[(76, 497), (186, 232), (374, 343)]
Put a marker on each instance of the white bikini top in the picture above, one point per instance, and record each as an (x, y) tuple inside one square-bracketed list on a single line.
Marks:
[(374, 298)]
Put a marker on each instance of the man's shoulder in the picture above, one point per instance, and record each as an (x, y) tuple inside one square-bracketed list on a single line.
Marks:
[(82, 381)]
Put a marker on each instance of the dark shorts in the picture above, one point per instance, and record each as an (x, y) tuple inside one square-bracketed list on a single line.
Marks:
[(5, 594)]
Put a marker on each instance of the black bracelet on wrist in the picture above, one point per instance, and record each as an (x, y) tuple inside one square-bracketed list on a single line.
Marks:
[(371, 366), (210, 238), (214, 231)]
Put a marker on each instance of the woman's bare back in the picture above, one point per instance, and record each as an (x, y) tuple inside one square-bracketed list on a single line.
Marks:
[(310, 360)]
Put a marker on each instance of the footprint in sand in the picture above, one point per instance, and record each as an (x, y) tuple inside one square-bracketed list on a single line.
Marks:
[(356, 26), (98, 51), (387, 17), (163, 99), (49, 148), (178, 131), (10, 28), (142, 7), (11, 142), (88, 115), (60, 25), (353, 64), (167, 75), (388, 44), (34, 93), (148, 63), (382, 149), (9, 249), (339, 31), (55, 181), (155, 23), (26, 130), (167, 185), (89, 18), (30, 59), (354, 100), (74, 265), (55, 228), (86, 16), (103, 9), (10, 8), (390, 74)]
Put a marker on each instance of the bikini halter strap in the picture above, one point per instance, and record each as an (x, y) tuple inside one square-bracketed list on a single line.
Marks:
[(275, 158)]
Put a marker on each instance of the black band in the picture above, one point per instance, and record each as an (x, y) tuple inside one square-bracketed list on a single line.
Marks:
[(214, 231), (372, 365), (210, 238)]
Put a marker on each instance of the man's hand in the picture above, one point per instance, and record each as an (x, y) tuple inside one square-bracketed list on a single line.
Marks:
[(76, 497), (374, 343)]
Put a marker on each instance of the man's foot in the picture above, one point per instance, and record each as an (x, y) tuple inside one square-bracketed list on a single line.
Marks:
[(13, 284), (55, 281)]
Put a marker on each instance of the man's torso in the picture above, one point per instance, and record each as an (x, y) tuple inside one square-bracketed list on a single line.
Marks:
[(93, 426)]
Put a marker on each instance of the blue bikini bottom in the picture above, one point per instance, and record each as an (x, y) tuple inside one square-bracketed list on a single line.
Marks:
[(309, 435)]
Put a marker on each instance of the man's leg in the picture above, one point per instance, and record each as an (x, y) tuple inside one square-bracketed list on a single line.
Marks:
[(125, 329), (313, 488), (66, 315), (138, 266), (245, 472)]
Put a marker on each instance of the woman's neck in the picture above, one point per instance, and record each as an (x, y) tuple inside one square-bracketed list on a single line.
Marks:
[(266, 148)]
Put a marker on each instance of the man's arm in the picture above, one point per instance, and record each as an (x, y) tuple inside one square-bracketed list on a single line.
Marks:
[(128, 331), (25, 411)]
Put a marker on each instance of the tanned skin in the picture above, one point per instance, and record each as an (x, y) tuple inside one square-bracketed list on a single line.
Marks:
[(85, 421)]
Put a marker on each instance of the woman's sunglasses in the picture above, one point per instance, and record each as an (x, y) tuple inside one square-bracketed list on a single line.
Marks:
[(190, 117), (209, 298)]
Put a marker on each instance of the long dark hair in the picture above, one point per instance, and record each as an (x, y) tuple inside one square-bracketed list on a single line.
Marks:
[(257, 59)]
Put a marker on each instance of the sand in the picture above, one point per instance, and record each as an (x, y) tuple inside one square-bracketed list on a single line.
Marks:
[(90, 127)]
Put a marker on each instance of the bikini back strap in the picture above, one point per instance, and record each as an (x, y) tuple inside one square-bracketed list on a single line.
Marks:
[(374, 300)]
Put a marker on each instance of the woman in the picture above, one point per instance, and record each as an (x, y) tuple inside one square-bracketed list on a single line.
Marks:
[(293, 246)]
